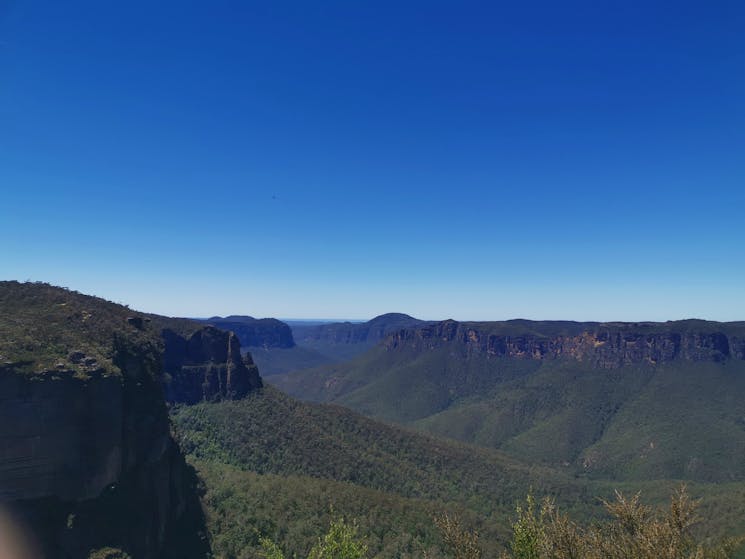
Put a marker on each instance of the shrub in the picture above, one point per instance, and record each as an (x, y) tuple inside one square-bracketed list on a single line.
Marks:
[(459, 542), (634, 531), (340, 542)]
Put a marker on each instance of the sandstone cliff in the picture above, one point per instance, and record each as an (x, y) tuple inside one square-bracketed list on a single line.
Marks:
[(86, 453), (255, 332), (206, 365), (604, 345)]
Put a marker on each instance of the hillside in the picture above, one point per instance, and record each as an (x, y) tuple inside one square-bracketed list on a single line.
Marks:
[(278, 360), (618, 401), (405, 477), (243, 506), (384, 475)]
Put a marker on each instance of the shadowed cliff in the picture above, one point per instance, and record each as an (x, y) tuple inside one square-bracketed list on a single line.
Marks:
[(255, 332), (87, 458)]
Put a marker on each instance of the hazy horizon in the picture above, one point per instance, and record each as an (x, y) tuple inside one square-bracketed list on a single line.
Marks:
[(422, 316)]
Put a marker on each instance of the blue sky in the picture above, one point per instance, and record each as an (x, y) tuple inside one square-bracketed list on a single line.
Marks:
[(474, 160)]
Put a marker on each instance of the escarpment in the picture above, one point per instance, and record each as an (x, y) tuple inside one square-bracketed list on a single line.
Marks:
[(87, 459), (255, 332), (604, 345), (206, 365)]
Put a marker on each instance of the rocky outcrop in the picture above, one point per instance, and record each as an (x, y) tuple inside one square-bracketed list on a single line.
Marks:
[(88, 461), (206, 366), (604, 345), (87, 458), (256, 332)]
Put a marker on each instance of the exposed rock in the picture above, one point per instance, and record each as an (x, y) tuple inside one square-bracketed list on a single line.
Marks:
[(607, 345), (44, 422), (206, 366), (87, 460), (255, 332), (80, 456)]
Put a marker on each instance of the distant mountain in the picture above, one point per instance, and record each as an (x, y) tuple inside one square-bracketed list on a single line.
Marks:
[(255, 332), (316, 342), (614, 400), (370, 332), (344, 340)]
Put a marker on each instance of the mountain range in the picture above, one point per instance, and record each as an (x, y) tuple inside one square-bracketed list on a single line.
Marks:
[(322, 343), (133, 435), (626, 401)]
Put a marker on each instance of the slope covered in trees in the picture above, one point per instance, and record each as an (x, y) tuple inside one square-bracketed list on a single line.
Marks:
[(272, 464), (618, 402)]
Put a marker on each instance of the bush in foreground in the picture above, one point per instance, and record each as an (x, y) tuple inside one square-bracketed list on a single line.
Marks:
[(634, 531)]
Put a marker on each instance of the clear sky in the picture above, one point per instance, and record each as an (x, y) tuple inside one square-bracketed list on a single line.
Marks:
[(474, 160)]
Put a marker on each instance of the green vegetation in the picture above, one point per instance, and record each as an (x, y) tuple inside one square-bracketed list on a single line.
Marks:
[(40, 325), (340, 542), (275, 467), (334, 351), (243, 508), (681, 420), (629, 530), (633, 531), (277, 360), (269, 432), (458, 542)]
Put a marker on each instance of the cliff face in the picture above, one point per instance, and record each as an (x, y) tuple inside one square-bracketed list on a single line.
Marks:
[(256, 332), (87, 459), (206, 365), (46, 421), (607, 346)]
